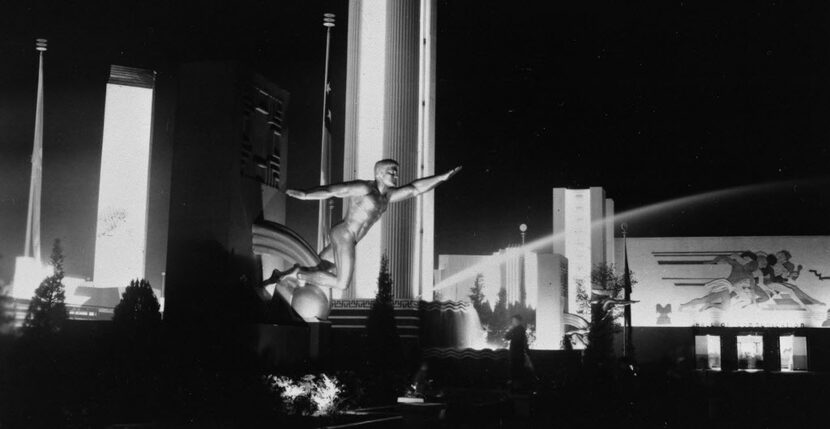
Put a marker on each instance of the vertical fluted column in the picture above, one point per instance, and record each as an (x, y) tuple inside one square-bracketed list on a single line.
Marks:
[(401, 135), (351, 129)]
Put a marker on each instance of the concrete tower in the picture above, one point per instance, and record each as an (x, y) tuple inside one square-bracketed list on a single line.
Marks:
[(390, 113)]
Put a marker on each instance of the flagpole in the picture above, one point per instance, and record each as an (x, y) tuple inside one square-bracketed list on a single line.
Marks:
[(33, 219), (627, 340), (322, 218)]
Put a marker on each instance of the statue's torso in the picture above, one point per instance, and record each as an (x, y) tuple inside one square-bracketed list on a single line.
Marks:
[(364, 211)]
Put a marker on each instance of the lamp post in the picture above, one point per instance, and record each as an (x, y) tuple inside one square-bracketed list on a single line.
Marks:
[(522, 288)]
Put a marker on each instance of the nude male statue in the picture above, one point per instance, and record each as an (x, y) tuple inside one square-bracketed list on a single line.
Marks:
[(368, 200)]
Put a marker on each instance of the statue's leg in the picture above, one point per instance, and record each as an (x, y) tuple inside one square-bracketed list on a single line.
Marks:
[(344, 260), (343, 249), (327, 260)]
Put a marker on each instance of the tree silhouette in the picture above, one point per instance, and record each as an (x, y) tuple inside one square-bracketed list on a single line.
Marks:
[(499, 320), (47, 311), (381, 329), (138, 306), (603, 324), (477, 298)]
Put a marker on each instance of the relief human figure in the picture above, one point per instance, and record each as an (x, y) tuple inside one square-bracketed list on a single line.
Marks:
[(740, 284), (368, 200), (784, 272), (764, 276)]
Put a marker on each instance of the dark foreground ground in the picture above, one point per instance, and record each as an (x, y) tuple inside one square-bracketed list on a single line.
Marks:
[(207, 380)]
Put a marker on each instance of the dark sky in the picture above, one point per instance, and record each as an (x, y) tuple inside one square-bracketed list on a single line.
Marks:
[(652, 100)]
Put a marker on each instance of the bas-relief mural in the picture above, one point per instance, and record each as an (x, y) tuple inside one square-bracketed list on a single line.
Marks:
[(731, 281)]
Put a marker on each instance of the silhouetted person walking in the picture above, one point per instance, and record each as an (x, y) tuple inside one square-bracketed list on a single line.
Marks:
[(520, 367)]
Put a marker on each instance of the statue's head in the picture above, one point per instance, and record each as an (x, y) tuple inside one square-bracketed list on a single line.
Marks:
[(386, 172)]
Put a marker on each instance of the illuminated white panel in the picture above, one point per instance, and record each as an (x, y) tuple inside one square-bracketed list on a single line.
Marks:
[(750, 351), (548, 301), (122, 198), (793, 353), (707, 352), (532, 278), (492, 282), (28, 274)]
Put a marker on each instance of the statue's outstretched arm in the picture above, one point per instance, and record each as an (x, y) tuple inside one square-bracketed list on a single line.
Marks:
[(420, 186), (338, 190)]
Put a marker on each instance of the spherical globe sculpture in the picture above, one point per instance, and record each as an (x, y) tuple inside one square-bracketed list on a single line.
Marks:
[(310, 302)]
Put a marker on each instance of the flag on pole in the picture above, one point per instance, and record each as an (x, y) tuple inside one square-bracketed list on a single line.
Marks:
[(324, 214), (629, 347), (324, 221)]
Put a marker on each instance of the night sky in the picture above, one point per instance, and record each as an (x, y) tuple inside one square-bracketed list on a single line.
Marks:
[(654, 100)]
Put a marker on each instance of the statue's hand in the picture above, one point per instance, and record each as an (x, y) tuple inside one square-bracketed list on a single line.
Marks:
[(300, 195), (453, 172)]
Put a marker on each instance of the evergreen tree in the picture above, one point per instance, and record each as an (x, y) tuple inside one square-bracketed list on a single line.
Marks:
[(138, 306), (500, 319), (583, 300), (603, 325), (47, 311), (381, 329), (479, 302)]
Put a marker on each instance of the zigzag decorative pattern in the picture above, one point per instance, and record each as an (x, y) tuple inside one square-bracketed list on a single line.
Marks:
[(366, 304), (445, 306), (820, 276), (449, 353)]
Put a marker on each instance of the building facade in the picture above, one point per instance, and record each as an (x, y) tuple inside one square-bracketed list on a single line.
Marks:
[(228, 171), (732, 302)]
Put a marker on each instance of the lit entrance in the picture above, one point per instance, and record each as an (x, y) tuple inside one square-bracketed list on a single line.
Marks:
[(750, 351), (793, 353), (707, 352)]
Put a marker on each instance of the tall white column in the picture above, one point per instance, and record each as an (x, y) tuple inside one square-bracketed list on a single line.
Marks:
[(386, 113), (121, 238), (425, 209)]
